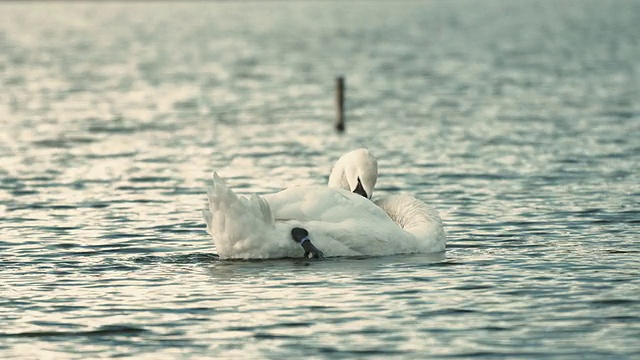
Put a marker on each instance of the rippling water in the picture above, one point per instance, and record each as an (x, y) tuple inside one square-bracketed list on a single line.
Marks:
[(519, 121)]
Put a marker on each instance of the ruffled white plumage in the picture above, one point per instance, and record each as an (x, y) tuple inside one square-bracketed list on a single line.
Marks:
[(339, 222)]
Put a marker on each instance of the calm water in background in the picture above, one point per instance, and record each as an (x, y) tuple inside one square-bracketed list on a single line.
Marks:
[(519, 121)]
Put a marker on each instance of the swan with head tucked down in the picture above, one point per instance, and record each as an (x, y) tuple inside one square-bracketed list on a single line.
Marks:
[(339, 218)]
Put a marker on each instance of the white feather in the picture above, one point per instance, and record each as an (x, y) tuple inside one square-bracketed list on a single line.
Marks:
[(339, 222)]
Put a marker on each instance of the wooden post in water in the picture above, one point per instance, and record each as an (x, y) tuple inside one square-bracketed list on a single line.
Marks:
[(340, 104)]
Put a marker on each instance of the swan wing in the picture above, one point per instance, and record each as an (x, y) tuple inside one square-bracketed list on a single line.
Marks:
[(338, 221), (320, 203)]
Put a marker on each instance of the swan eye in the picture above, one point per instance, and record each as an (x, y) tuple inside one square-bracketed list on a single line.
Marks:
[(360, 189)]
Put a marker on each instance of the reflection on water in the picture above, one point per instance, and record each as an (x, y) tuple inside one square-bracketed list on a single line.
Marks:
[(515, 120)]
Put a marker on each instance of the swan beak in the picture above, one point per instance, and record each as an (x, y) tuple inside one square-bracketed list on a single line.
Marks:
[(360, 189)]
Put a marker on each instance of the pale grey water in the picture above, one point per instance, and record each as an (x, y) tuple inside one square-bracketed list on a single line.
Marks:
[(518, 120)]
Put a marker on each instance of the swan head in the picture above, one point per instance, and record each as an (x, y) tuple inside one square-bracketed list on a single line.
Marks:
[(355, 171)]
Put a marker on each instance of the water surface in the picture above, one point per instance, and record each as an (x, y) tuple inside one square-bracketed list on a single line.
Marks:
[(518, 121)]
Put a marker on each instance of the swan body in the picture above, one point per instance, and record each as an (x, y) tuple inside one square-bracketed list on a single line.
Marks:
[(340, 218)]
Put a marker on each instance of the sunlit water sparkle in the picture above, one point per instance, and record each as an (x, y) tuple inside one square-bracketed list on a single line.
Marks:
[(518, 121)]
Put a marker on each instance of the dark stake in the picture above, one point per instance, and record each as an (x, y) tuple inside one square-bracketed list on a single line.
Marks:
[(340, 104), (301, 236)]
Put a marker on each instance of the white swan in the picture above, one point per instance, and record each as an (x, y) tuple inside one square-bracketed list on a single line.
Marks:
[(338, 219)]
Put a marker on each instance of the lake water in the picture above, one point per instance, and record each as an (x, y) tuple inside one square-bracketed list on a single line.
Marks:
[(519, 121)]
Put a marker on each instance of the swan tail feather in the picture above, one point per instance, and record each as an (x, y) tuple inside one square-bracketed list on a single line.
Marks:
[(236, 223), (262, 209), (208, 218)]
